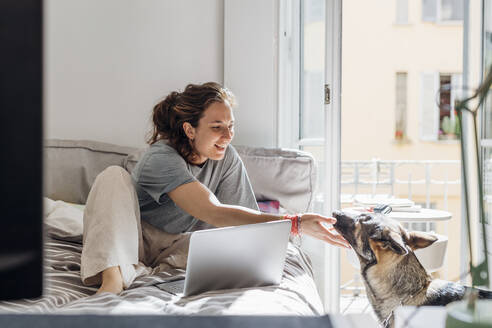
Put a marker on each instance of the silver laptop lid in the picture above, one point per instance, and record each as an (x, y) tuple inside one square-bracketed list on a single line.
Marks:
[(236, 257)]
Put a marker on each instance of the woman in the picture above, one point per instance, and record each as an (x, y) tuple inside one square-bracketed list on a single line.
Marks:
[(190, 178)]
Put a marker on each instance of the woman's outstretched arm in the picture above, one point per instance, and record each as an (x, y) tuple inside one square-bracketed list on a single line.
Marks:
[(198, 201)]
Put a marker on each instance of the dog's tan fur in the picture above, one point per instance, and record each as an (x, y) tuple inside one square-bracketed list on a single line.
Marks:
[(380, 274), (391, 272)]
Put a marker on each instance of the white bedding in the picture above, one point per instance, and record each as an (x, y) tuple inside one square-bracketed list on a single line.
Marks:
[(65, 293)]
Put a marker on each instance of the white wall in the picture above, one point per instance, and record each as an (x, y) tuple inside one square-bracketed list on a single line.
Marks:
[(250, 69), (108, 62)]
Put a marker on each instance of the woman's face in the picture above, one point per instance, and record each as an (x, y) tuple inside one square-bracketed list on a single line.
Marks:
[(213, 133)]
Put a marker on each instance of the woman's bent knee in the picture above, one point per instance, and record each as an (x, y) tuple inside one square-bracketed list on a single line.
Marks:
[(114, 172), (112, 177)]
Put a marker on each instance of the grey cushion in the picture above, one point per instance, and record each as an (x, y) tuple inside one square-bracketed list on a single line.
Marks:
[(286, 175), (71, 167)]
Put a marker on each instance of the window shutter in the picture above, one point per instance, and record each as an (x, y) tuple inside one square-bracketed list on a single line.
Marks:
[(401, 11), (429, 117), (456, 89), (429, 10), (401, 104)]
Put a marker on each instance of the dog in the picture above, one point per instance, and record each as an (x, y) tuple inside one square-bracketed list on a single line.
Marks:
[(391, 272)]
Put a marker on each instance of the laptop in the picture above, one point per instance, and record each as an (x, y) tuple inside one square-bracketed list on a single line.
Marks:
[(233, 257)]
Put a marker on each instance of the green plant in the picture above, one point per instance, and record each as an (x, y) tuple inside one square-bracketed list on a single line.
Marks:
[(448, 126)]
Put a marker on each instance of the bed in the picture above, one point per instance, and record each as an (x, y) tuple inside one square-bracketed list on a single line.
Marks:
[(70, 169)]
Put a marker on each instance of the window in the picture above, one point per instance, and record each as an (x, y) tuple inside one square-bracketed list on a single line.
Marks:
[(301, 74), (401, 12), (451, 10), (401, 106), (311, 83), (448, 120), (312, 69), (438, 118), (442, 10)]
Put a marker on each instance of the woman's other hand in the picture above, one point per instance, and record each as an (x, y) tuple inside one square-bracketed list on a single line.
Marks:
[(321, 227)]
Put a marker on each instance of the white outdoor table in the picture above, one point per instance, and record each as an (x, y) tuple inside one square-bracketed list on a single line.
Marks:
[(425, 214)]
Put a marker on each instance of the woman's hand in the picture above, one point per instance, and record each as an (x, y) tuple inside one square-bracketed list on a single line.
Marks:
[(320, 227)]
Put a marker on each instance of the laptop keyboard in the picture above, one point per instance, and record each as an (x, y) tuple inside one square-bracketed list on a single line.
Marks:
[(173, 287)]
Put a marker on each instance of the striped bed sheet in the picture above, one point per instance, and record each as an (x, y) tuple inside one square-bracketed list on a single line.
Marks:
[(64, 292)]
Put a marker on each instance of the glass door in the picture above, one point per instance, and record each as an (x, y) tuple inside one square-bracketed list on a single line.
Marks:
[(377, 113), (309, 101), (486, 126)]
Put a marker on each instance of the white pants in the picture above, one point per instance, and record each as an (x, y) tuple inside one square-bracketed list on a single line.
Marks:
[(114, 235)]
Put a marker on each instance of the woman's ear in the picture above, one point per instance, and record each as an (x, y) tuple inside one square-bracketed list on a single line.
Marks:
[(189, 130)]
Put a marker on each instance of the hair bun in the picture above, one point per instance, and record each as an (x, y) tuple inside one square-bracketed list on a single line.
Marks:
[(163, 113), (171, 99)]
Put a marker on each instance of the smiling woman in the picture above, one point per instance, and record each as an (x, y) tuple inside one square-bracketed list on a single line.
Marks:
[(190, 178)]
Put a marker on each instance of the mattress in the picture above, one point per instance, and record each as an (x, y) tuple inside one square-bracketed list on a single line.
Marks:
[(64, 292)]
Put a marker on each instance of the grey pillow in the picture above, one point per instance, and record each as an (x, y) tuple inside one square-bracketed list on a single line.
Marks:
[(71, 166), (286, 175)]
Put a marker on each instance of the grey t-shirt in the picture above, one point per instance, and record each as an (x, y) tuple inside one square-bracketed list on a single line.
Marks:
[(162, 169)]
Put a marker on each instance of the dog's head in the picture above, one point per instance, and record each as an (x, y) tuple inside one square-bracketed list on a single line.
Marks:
[(376, 237)]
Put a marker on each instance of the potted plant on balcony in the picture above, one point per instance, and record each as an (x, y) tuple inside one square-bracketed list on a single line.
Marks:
[(449, 128)]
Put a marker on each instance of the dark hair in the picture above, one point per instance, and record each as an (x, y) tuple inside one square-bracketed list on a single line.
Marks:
[(169, 115)]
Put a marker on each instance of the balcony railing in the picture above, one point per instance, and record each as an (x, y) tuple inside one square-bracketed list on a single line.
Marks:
[(399, 177)]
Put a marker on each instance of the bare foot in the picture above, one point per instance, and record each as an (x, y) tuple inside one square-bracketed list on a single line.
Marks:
[(112, 281), (114, 288)]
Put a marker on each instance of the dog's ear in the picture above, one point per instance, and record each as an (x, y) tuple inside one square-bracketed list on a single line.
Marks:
[(419, 239), (392, 241)]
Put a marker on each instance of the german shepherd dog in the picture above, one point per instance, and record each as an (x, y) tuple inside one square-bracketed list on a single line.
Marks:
[(391, 272)]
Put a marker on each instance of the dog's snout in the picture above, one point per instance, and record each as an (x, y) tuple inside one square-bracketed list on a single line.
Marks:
[(342, 219), (344, 225)]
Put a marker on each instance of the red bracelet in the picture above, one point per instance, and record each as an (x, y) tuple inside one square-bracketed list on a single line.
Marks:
[(295, 219)]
